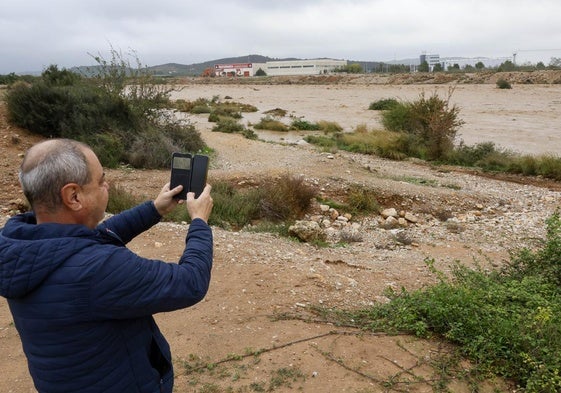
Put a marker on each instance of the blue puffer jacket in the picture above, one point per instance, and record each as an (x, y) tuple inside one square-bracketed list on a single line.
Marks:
[(83, 303)]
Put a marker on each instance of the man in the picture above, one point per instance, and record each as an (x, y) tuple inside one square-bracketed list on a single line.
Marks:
[(81, 301)]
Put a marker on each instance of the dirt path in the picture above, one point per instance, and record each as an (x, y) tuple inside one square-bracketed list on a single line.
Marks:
[(259, 280)]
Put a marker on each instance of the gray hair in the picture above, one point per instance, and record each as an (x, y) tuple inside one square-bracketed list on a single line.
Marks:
[(49, 166)]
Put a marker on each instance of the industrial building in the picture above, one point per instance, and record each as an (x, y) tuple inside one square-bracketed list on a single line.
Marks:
[(462, 62), (281, 67)]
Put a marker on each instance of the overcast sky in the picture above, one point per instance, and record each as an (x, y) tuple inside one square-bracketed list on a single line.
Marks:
[(37, 33)]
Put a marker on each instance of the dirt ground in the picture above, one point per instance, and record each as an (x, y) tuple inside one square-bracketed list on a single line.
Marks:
[(252, 325)]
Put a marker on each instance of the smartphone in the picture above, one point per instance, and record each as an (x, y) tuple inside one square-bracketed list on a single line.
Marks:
[(181, 173), (199, 171)]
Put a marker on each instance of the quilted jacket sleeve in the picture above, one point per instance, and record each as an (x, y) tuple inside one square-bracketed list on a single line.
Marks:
[(127, 286), (131, 223)]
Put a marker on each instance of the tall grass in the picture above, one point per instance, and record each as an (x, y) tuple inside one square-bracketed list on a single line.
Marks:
[(273, 201)]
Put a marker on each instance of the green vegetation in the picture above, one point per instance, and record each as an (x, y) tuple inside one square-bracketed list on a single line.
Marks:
[(362, 201), (214, 106), (120, 199), (383, 104), (271, 124), (231, 126), (503, 84), (304, 125), (268, 206), (507, 322), (354, 68), (431, 123), (119, 111), (426, 129)]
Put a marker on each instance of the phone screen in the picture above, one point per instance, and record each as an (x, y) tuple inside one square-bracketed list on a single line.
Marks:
[(181, 163)]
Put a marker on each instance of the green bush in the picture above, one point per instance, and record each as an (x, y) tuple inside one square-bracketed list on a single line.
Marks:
[(232, 207), (503, 84), (383, 104), (204, 105), (229, 126), (118, 112), (109, 148), (471, 155), (399, 117), (268, 123), (304, 125), (432, 120)]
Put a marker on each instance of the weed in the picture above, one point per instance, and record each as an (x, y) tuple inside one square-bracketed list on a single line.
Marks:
[(285, 377), (361, 200)]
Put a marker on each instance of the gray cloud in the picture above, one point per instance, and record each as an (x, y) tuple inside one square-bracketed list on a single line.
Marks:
[(35, 34)]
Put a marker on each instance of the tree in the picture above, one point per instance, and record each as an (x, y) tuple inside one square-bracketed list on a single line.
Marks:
[(555, 62), (354, 68), (55, 77), (260, 72), (437, 67), (507, 66), (424, 67), (479, 65)]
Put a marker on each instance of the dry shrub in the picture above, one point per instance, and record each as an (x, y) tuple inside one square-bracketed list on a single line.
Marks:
[(289, 197)]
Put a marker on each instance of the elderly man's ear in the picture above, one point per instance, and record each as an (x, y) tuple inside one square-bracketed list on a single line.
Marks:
[(71, 195)]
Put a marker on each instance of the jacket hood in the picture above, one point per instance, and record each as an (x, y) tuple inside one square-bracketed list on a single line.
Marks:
[(29, 252)]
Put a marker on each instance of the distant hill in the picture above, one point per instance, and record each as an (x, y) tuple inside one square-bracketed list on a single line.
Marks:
[(196, 69), (174, 69)]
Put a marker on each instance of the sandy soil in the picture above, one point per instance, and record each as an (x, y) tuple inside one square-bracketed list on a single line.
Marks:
[(260, 280)]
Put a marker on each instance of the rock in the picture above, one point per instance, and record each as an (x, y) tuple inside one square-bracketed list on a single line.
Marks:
[(307, 231), (333, 214), (391, 212), (342, 219), (391, 222), (411, 218)]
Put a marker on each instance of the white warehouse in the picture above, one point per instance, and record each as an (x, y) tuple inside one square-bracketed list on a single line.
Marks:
[(281, 67), (302, 67)]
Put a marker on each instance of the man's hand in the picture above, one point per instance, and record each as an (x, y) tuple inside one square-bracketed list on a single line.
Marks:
[(200, 207), (165, 201)]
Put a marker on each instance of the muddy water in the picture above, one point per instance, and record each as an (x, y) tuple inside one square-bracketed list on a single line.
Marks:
[(525, 119)]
